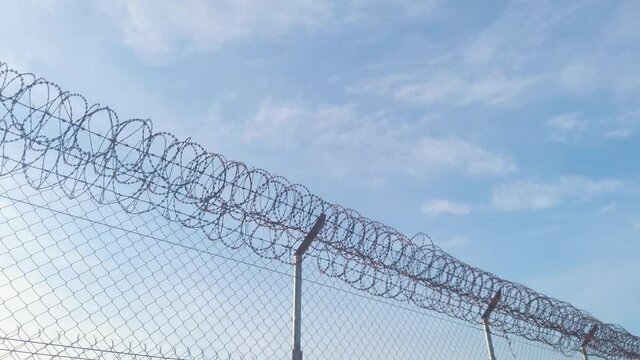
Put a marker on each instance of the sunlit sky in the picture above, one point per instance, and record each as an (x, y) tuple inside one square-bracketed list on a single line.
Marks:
[(505, 130)]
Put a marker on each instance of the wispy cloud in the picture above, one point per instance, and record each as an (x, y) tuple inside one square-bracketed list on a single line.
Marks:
[(157, 29), (497, 66), (623, 125), (534, 195), (610, 207), (442, 206), (446, 87), (356, 144), (490, 90), (32, 32), (453, 242), (575, 127), (567, 127), (466, 157), (567, 122), (579, 77), (548, 39), (531, 48), (516, 36)]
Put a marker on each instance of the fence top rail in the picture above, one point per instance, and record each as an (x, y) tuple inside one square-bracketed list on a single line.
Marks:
[(56, 138)]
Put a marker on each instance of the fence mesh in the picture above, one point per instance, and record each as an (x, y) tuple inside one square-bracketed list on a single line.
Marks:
[(118, 242)]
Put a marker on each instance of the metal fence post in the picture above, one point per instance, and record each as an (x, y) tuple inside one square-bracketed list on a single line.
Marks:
[(586, 342), (485, 323), (296, 353)]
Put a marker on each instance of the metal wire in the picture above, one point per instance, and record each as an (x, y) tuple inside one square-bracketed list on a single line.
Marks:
[(57, 142)]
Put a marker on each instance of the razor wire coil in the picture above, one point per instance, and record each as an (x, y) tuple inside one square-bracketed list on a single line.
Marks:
[(54, 138)]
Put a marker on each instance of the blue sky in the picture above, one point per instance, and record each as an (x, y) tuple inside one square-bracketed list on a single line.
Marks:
[(505, 130)]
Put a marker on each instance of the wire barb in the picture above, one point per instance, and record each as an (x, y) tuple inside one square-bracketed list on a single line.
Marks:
[(56, 140)]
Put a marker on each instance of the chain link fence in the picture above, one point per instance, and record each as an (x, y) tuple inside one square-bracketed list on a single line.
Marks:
[(120, 243)]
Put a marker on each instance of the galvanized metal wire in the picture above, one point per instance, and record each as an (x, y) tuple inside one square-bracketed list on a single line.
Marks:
[(55, 148)]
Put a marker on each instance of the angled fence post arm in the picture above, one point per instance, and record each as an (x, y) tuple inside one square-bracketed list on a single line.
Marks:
[(485, 323), (296, 353)]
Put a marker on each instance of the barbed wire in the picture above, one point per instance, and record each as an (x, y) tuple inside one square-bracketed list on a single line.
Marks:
[(55, 138), (21, 345)]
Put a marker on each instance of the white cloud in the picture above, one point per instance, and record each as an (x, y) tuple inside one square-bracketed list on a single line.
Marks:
[(579, 78), (382, 85), (157, 29), (351, 144), (455, 154), (532, 195), (610, 207), (453, 242), (154, 29), (453, 89), (359, 10), (32, 31), (442, 206), (619, 133), (623, 125), (517, 34), (575, 128), (529, 46), (273, 121), (447, 87), (567, 122), (496, 67), (567, 127)]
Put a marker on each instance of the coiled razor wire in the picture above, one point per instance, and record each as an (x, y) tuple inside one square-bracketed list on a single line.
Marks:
[(55, 138)]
